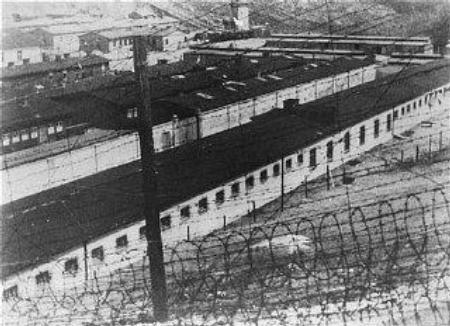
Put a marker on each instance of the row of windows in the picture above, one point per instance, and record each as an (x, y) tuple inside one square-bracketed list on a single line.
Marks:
[(123, 42), (29, 134), (71, 265), (185, 212)]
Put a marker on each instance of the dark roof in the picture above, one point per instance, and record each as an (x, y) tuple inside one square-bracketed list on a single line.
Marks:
[(112, 100), (56, 220), (369, 99), (275, 41), (16, 115), (221, 95), (126, 32), (104, 113), (267, 49), (51, 66), (194, 78), (353, 37), (15, 39), (162, 32)]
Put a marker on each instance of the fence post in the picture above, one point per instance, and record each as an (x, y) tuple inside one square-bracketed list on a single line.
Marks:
[(417, 152), (95, 157), (188, 233), (306, 186), (440, 140), (328, 177), (429, 146), (402, 153), (86, 271), (282, 183), (254, 210), (224, 222)]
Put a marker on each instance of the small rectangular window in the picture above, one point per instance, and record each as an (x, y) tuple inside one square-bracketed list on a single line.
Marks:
[(415, 105), (312, 157), (132, 113), (403, 110), (376, 128), (24, 135), (388, 122), (288, 164), (276, 170), (300, 159), (122, 241), (15, 137), (166, 222), (263, 176), (34, 133), (43, 278), (330, 151), (203, 205), (59, 126), (347, 142), (395, 115), (235, 189), (185, 212), (10, 293), (362, 135), (408, 108), (142, 235), (19, 55), (420, 103), (98, 253), (220, 197), (249, 182), (6, 140), (71, 266)]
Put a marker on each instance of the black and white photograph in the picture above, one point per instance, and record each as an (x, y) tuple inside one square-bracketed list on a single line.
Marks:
[(225, 163)]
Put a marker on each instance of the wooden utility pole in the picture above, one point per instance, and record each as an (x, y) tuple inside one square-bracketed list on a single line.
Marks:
[(282, 183), (149, 184)]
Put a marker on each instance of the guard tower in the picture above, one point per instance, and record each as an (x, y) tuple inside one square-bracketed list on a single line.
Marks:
[(239, 13)]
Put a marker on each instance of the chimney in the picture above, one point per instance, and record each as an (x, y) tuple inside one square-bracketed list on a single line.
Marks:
[(240, 14)]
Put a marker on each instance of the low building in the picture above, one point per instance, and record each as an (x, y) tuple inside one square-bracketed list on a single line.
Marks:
[(218, 179), (218, 105), (168, 39), (369, 44), (19, 48), (57, 43), (26, 123), (106, 41), (42, 76)]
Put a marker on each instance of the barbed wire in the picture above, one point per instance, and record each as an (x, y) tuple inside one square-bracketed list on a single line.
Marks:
[(387, 261)]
